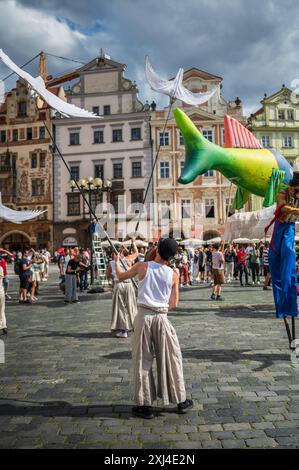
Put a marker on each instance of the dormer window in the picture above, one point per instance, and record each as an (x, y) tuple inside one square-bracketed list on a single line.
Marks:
[(22, 109), (281, 115), (290, 114)]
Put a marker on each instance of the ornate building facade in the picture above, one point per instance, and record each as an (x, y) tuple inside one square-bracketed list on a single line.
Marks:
[(198, 209), (116, 148), (26, 167), (276, 125)]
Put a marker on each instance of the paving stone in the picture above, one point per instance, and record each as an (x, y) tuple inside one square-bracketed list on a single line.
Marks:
[(240, 386), (265, 442)]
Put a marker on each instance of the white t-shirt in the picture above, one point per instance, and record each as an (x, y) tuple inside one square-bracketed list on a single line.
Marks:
[(217, 260)]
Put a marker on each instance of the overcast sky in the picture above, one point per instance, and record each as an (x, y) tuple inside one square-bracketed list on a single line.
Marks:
[(253, 45)]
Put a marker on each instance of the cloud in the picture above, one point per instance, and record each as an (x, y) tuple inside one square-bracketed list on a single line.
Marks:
[(252, 45)]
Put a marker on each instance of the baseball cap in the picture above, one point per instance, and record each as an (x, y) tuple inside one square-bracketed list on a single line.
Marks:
[(167, 248)]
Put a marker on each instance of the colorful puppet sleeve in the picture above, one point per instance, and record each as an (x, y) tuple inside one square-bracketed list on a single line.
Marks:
[(275, 184)]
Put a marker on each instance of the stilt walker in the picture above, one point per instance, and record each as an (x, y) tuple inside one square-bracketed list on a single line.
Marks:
[(282, 255)]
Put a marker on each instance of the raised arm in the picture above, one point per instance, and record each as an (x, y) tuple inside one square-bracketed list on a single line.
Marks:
[(130, 273)]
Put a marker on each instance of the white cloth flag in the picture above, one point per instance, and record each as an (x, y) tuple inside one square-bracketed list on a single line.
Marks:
[(38, 84), (249, 224), (17, 217), (174, 88)]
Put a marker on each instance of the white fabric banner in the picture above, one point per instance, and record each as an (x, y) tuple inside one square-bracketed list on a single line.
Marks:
[(174, 88), (38, 85)]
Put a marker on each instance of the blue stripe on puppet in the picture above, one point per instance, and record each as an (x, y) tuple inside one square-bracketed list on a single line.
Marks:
[(284, 165)]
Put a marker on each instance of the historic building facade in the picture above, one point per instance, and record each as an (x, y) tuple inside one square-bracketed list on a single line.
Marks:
[(198, 209), (116, 148), (26, 167), (276, 125)]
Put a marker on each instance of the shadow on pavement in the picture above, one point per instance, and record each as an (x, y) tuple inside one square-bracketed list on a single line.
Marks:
[(9, 407), (61, 334), (233, 355)]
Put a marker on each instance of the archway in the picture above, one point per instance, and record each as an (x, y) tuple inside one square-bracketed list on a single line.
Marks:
[(15, 240)]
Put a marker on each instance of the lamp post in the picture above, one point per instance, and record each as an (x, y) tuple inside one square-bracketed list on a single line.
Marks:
[(92, 186)]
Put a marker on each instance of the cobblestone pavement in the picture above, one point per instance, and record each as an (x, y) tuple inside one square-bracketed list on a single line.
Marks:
[(66, 381)]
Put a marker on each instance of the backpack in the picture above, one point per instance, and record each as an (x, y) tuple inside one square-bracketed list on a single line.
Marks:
[(17, 266)]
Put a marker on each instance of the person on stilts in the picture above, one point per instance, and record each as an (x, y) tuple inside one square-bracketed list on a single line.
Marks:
[(282, 255)]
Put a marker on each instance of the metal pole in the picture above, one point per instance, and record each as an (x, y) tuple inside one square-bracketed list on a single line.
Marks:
[(288, 330), (90, 238)]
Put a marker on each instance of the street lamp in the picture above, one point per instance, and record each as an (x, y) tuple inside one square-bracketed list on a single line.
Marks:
[(91, 186)]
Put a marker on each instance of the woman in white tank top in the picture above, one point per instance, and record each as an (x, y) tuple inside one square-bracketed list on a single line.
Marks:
[(154, 336)]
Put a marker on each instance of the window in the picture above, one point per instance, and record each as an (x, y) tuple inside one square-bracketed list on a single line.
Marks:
[(73, 204), (164, 170), (182, 166), (181, 140), (33, 160), (42, 160), (231, 210), (210, 208), (29, 133), (223, 136), (42, 132), (37, 187), (137, 196), (2, 136), (265, 140), (290, 113), (96, 199), (117, 171), (107, 110), (75, 173), (186, 208), (99, 171), (136, 170), (288, 141), (165, 209), (15, 135), (208, 134), (164, 138), (209, 173), (117, 135), (74, 138), (22, 108), (281, 115), (98, 137), (136, 133), (117, 201), (96, 110)]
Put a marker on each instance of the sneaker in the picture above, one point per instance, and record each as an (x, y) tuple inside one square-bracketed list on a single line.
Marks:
[(213, 297), (185, 406), (219, 298), (145, 412), (8, 297), (258, 283), (122, 334), (118, 334)]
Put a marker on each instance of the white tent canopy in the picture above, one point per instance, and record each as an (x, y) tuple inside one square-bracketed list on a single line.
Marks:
[(249, 224)]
